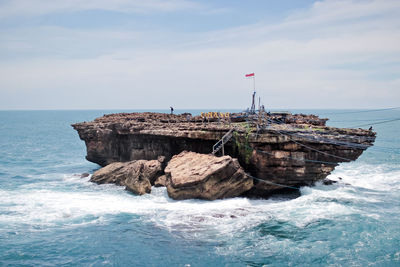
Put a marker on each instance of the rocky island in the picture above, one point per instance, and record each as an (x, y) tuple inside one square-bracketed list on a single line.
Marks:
[(217, 155)]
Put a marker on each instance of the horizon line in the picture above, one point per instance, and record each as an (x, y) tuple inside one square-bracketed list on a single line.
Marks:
[(176, 109)]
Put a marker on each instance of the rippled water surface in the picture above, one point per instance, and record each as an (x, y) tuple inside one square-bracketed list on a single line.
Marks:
[(51, 216)]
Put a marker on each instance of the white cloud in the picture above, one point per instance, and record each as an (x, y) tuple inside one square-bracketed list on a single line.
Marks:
[(12, 8), (313, 59), (344, 10)]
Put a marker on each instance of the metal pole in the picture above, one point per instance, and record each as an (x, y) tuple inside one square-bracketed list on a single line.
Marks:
[(254, 82), (254, 94)]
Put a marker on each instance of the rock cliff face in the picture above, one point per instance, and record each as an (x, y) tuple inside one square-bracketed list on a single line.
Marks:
[(285, 149)]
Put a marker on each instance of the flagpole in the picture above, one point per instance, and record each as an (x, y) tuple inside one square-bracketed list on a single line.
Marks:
[(254, 94), (253, 106), (254, 83)]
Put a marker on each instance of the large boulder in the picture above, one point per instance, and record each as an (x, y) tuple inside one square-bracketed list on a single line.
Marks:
[(192, 175), (137, 176)]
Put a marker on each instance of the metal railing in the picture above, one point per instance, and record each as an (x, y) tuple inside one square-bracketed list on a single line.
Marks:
[(220, 144)]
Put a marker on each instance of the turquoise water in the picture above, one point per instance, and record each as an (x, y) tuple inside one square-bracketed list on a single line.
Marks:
[(49, 216)]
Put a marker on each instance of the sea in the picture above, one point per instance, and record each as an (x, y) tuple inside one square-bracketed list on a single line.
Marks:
[(50, 216)]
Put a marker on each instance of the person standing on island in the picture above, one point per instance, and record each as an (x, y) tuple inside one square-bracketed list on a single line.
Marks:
[(172, 110)]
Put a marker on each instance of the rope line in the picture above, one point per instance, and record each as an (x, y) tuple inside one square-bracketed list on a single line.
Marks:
[(340, 143), (330, 141), (268, 182), (292, 158), (397, 119), (360, 111), (289, 157), (381, 119), (314, 149), (348, 144), (344, 143), (311, 148)]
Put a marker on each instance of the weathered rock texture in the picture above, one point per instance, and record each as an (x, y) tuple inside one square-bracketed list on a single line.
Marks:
[(161, 181), (137, 176), (192, 175), (294, 150)]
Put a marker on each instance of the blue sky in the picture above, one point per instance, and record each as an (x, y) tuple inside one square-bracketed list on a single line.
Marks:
[(129, 54)]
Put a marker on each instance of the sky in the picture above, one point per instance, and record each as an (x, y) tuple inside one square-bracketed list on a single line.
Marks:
[(153, 54)]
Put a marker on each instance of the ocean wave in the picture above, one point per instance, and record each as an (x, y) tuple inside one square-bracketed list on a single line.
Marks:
[(73, 201), (378, 178)]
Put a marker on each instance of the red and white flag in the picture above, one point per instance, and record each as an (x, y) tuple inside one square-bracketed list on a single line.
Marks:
[(250, 75)]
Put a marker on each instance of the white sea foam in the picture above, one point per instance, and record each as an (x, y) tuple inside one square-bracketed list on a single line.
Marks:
[(377, 178), (56, 205)]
